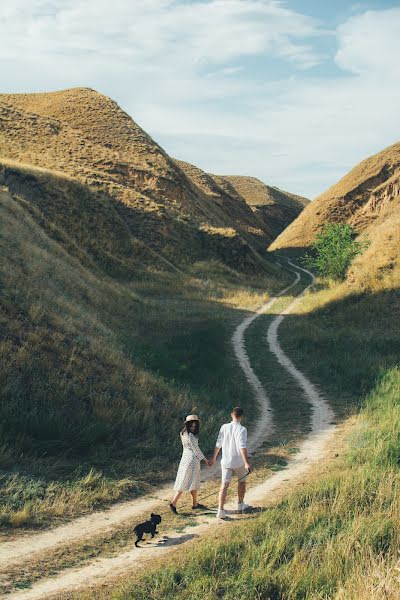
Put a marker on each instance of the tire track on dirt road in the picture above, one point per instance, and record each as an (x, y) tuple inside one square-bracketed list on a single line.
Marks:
[(107, 569)]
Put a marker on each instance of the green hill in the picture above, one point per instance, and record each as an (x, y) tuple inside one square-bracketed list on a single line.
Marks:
[(336, 535), (122, 280)]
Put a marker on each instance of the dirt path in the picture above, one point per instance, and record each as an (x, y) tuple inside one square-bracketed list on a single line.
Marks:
[(104, 569)]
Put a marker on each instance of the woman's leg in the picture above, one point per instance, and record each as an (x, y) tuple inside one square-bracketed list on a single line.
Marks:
[(176, 498), (193, 493)]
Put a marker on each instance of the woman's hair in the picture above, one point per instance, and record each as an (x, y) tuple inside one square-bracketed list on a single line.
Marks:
[(186, 427)]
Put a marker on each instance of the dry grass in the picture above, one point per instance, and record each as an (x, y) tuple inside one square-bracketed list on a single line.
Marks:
[(273, 207), (338, 536), (87, 138), (90, 364), (378, 268), (257, 193), (359, 198), (227, 198)]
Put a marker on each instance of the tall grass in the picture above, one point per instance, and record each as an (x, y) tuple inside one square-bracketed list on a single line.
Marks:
[(97, 374), (337, 537)]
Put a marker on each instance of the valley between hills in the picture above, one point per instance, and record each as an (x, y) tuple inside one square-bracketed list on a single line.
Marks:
[(126, 277)]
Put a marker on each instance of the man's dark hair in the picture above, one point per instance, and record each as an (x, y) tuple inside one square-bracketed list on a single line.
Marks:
[(238, 411)]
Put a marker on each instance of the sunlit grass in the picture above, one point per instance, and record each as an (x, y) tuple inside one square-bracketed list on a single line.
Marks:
[(336, 537), (97, 374)]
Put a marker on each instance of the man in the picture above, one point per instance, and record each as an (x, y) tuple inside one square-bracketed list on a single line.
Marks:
[(232, 439)]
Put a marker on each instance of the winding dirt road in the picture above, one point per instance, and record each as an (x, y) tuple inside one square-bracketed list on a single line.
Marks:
[(103, 569)]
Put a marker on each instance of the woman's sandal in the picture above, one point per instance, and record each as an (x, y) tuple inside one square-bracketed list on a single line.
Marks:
[(173, 508), (199, 506)]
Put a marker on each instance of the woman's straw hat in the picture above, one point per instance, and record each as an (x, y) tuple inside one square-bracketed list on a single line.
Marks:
[(191, 418)]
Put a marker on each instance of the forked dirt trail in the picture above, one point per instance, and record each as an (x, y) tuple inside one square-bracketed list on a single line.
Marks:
[(103, 569)]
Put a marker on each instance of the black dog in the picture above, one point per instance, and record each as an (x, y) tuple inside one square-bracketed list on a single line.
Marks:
[(147, 527)]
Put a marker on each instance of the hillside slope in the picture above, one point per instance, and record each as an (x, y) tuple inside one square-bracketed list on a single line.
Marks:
[(121, 281), (81, 135), (274, 207), (220, 191), (368, 198)]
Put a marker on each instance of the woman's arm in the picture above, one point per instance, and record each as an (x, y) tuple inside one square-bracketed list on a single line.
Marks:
[(194, 445)]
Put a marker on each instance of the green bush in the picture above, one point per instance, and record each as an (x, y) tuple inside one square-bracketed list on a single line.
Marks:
[(334, 248)]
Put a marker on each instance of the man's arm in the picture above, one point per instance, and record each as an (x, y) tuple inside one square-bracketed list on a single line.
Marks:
[(243, 448), (243, 452), (218, 446), (216, 452)]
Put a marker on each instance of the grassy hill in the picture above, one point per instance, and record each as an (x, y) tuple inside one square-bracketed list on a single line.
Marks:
[(226, 196), (368, 198), (82, 135), (337, 535), (274, 207), (122, 280)]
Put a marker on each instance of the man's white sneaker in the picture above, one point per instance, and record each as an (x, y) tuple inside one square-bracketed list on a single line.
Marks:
[(242, 506), (221, 514)]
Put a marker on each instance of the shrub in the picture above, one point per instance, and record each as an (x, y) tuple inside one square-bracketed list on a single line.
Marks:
[(334, 248)]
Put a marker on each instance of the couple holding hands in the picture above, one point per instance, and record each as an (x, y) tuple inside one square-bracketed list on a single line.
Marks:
[(232, 440)]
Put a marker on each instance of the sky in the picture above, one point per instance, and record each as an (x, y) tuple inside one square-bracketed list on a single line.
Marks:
[(293, 92)]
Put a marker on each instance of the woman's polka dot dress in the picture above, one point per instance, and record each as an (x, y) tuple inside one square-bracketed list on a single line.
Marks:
[(188, 476)]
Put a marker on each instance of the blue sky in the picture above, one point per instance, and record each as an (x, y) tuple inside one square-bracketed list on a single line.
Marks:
[(293, 92)]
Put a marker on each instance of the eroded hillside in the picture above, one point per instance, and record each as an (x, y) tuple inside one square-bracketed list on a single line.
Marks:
[(368, 198), (79, 138), (274, 207), (121, 282), (219, 190)]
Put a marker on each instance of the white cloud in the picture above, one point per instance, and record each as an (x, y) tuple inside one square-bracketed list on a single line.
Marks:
[(180, 69), (186, 35), (370, 44)]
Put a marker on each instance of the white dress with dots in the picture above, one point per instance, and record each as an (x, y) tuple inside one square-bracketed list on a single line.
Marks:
[(188, 476)]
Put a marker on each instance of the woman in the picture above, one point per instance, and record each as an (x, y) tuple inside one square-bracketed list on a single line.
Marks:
[(188, 476)]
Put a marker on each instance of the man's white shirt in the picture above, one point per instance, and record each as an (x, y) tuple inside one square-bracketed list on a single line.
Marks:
[(232, 436)]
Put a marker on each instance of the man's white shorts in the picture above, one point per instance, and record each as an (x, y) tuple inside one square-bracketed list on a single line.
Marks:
[(240, 473)]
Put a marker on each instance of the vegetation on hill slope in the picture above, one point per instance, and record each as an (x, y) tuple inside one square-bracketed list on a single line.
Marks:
[(276, 208), (338, 536), (97, 373), (225, 195), (370, 192), (85, 136)]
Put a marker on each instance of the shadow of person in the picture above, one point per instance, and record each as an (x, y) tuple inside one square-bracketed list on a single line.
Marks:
[(252, 513)]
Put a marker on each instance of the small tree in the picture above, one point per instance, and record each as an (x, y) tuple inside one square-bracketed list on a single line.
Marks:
[(334, 249)]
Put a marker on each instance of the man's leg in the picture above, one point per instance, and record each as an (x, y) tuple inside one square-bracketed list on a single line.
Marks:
[(222, 494), (241, 491)]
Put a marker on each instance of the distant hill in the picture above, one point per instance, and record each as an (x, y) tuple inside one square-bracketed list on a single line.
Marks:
[(368, 198), (276, 208), (224, 194), (248, 200), (75, 156)]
